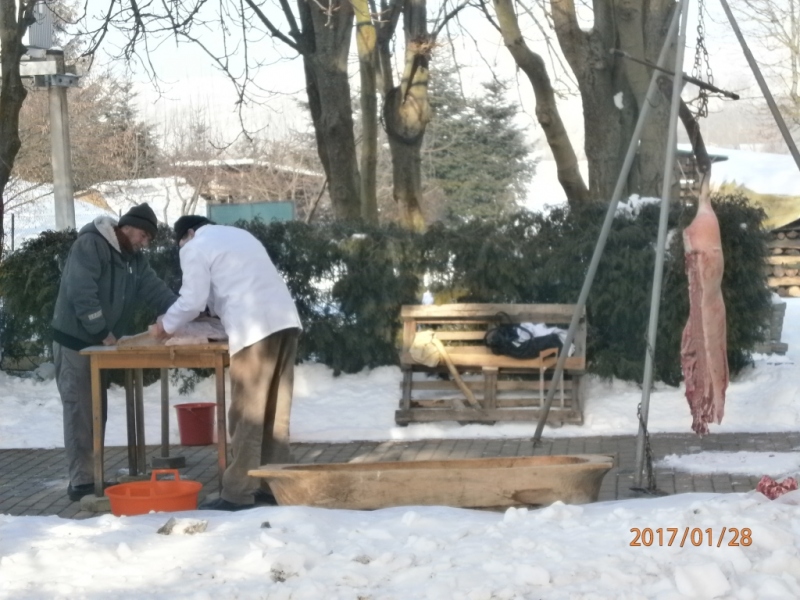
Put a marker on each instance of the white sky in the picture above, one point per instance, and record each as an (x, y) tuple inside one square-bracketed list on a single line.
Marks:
[(191, 82)]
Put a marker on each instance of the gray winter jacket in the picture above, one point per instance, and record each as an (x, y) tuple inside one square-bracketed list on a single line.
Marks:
[(101, 286)]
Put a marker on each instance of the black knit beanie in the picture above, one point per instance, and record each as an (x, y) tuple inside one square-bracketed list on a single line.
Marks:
[(187, 222), (142, 217)]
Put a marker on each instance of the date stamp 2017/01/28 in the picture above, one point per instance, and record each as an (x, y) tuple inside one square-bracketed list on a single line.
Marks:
[(668, 536)]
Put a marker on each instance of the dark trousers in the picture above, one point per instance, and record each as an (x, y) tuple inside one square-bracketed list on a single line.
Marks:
[(74, 382)]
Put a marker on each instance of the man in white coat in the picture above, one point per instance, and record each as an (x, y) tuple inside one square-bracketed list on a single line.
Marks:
[(227, 270)]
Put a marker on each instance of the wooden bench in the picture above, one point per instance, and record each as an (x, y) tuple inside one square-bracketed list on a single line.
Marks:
[(505, 388)]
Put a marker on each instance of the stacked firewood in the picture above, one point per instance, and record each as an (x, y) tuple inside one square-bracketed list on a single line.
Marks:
[(783, 264)]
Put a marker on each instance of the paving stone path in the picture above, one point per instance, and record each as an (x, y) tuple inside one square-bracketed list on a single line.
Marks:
[(33, 482)]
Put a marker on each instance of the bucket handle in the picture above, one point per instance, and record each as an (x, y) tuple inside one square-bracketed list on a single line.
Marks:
[(165, 472)]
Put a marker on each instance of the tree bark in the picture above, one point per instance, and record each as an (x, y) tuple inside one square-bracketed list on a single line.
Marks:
[(569, 175), (406, 113), (366, 38), (13, 24), (641, 33), (612, 89), (327, 36), (587, 53)]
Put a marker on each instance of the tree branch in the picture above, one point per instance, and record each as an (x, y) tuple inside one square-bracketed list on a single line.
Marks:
[(272, 29)]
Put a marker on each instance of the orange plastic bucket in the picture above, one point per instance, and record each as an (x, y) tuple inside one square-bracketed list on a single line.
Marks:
[(196, 423), (140, 497)]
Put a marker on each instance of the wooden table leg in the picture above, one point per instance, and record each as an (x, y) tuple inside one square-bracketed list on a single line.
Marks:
[(165, 461), (130, 410), (222, 434), (97, 426), (138, 394), (164, 414)]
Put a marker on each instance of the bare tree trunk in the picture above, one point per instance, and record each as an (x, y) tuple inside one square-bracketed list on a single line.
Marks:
[(328, 34), (569, 175), (13, 25), (641, 34), (639, 26), (406, 113), (587, 53), (366, 38)]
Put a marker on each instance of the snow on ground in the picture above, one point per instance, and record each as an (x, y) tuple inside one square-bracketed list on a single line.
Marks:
[(684, 546), (777, 464), (34, 210)]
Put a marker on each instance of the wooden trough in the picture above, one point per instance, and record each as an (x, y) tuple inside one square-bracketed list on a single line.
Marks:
[(468, 483)]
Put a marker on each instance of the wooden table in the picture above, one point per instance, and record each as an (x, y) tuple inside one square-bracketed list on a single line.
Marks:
[(133, 359)]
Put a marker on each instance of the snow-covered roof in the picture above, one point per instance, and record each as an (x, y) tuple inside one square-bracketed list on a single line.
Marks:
[(246, 162)]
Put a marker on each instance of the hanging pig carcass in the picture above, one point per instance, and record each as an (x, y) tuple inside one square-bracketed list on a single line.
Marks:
[(704, 355)]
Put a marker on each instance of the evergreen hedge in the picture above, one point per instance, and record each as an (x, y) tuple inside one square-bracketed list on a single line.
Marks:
[(349, 282)]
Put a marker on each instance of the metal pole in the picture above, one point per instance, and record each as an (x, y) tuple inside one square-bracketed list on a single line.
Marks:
[(658, 271), (60, 151), (633, 147), (763, 85)]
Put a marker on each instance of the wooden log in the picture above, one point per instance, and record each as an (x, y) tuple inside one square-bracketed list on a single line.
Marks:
[(776, 251), (778, 271), (787, 281), (786, 261), (794, 291), (792, 272), (792, 235), (791, 251), (784, 244), (780, 235)]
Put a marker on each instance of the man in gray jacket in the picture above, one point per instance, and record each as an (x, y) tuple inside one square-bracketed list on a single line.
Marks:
[(104, 279)]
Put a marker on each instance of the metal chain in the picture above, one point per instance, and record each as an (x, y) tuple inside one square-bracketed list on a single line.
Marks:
[(701, 58)]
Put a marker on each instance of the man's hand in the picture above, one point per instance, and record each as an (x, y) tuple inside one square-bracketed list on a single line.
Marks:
[(157, 330), (110, 340)]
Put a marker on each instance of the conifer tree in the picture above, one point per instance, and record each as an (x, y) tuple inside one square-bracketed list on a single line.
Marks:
[(475, 153)]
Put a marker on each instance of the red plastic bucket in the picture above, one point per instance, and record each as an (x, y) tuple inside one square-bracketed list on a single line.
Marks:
[(140, 497), (196, 423)]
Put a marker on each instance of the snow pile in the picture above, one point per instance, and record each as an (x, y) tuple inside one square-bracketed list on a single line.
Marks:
[(689, 545)]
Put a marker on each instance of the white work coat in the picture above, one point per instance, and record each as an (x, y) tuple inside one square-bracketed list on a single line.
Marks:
[(229, 270)]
